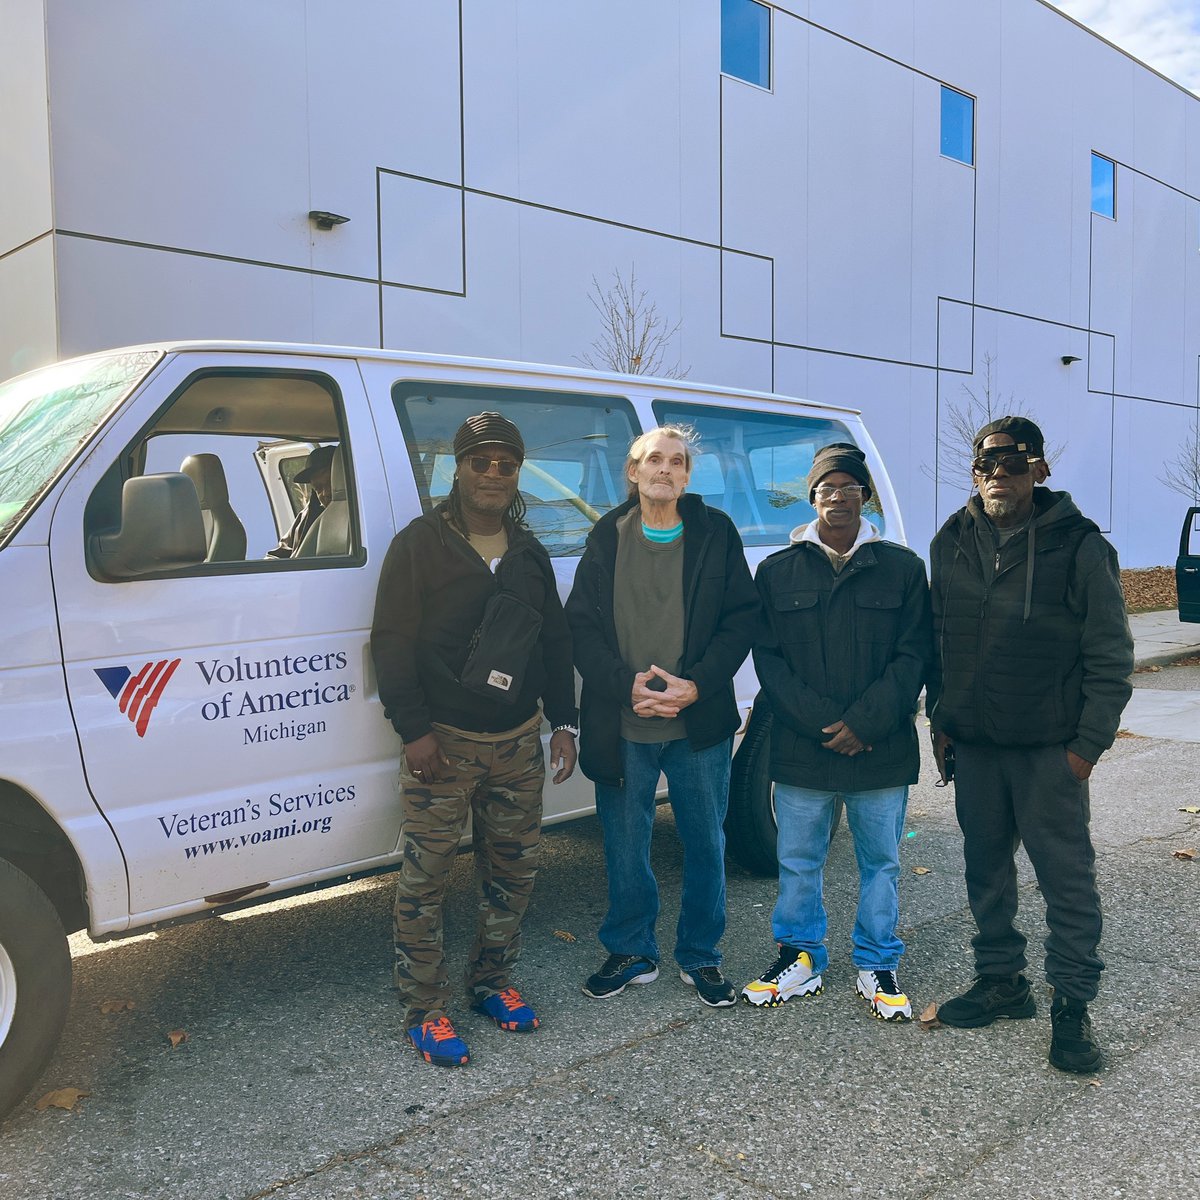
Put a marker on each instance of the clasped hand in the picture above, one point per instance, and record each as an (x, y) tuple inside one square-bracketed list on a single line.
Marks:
[(666, 701), (844, 740)]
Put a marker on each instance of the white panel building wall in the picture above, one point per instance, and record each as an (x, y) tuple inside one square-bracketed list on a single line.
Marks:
[(496, 156)]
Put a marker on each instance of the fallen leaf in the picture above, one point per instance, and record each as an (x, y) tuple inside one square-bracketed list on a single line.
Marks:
[(929, 1018), (564, 936), (920, 870), (1187, 855), (116, 1006), (1093, 1083), (176, 1037), (1191, 808), (65, 1098)]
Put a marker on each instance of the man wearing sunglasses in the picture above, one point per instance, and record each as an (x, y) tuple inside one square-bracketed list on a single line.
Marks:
[(1031, 675), (469, 636), (841, 663)]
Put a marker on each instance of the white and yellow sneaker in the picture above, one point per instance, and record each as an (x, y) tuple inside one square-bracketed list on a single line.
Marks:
[(881, 991), (790, 975)]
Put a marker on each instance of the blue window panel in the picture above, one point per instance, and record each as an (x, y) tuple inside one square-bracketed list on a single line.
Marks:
[(746, 41), (958, 126), (1104, 186)]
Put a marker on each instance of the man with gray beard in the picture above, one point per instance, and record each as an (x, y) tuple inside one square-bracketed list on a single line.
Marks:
[(1031, 673)]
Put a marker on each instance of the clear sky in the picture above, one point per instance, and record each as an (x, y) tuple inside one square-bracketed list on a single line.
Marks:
[(1164, 34)]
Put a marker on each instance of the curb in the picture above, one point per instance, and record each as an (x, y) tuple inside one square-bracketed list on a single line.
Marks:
[(1166, 658)]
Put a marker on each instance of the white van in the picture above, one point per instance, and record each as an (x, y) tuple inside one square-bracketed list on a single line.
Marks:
[(189, 725)]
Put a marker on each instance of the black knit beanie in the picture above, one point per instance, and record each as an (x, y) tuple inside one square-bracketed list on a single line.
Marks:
[(839, 456), (488, 429)]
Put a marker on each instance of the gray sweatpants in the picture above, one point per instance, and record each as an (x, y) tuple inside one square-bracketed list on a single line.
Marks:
[(1008, 795)]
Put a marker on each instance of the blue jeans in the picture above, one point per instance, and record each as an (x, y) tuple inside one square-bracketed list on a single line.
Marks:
[(698, 782), (805, 820)]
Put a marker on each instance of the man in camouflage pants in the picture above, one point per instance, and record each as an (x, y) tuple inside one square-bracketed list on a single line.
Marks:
[(472, 746)]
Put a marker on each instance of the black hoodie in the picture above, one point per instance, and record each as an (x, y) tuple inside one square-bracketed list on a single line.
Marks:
[(432, 592)]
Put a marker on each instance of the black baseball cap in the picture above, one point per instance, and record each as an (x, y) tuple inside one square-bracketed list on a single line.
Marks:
[(321, 459), (1026, 436)]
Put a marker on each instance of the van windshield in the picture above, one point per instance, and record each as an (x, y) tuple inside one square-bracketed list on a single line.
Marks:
[(47, 416)]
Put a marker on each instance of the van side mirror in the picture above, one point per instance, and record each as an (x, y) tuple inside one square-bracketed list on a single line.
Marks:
[(161, 528)]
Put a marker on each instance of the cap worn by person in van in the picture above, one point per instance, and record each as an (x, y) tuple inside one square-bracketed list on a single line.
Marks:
[(488, 429), (839, 456), (1026, 436), (321, 459)]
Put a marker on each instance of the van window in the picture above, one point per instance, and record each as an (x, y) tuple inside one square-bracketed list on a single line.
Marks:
[(754, 466), (242, 437), (575, 449), (47, 416)]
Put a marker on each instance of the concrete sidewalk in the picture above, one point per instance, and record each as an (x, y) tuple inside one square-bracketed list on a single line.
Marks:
[(1161, 637)]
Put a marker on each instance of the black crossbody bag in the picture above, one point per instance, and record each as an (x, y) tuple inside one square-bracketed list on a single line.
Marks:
[(498, 660)]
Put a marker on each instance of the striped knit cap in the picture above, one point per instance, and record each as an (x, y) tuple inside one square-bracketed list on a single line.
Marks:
[(488, 428)]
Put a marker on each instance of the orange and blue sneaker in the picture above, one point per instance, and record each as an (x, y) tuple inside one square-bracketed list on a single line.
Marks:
[(508, 1010), (436, 1042), (882, 992)]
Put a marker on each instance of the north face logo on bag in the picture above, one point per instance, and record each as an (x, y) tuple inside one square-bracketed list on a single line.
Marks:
[(498, 679)]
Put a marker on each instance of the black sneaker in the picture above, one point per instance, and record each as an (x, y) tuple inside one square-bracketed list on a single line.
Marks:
[(711, 986), (989, 998), (1072, 1044), (618, 971)]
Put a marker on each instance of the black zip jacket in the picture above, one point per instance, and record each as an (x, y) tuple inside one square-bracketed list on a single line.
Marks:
[(853, 646), (720, 621), (1033, 645), (432, 592)]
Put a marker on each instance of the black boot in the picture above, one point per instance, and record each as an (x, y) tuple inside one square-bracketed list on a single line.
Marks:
[(1072, 1043), (989, 998)]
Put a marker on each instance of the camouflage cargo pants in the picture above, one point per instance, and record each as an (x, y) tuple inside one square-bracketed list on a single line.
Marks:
[(499, 783)]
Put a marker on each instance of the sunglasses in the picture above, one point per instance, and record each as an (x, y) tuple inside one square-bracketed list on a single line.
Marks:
[(1013, 464), (506, 466), (852, 491)]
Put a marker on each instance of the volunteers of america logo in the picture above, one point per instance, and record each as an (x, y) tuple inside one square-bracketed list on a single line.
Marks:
[(137, 693)]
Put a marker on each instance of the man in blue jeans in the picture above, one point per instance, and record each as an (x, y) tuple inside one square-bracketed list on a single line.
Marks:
[(847, 649), (663, 612)]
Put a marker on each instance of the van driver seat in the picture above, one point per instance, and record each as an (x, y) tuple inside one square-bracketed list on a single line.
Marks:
[(224, 534), (330, 532)]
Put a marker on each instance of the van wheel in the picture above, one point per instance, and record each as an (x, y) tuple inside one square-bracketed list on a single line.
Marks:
[(750, 829), (35, 983)]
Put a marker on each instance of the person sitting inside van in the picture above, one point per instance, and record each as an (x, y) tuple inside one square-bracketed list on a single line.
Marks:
[(316, 474)]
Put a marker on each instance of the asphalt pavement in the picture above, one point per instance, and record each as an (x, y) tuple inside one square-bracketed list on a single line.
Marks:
[(295, 1080)]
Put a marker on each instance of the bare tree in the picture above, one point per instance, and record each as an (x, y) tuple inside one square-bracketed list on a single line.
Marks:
[(634, 337), (962, 419), (1182, 473)]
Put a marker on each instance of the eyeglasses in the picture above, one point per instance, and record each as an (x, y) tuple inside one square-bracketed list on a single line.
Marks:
[(1013, 464), (852, 491), (506, 466)]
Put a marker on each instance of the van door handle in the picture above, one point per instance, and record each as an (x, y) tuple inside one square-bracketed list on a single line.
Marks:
[(1190, 570)]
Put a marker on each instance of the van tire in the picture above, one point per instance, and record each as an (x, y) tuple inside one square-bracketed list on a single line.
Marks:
[(35, 983), (750, 829)]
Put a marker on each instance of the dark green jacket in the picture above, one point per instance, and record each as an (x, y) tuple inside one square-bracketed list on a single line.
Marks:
[(851, 647), (1033, 644)]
